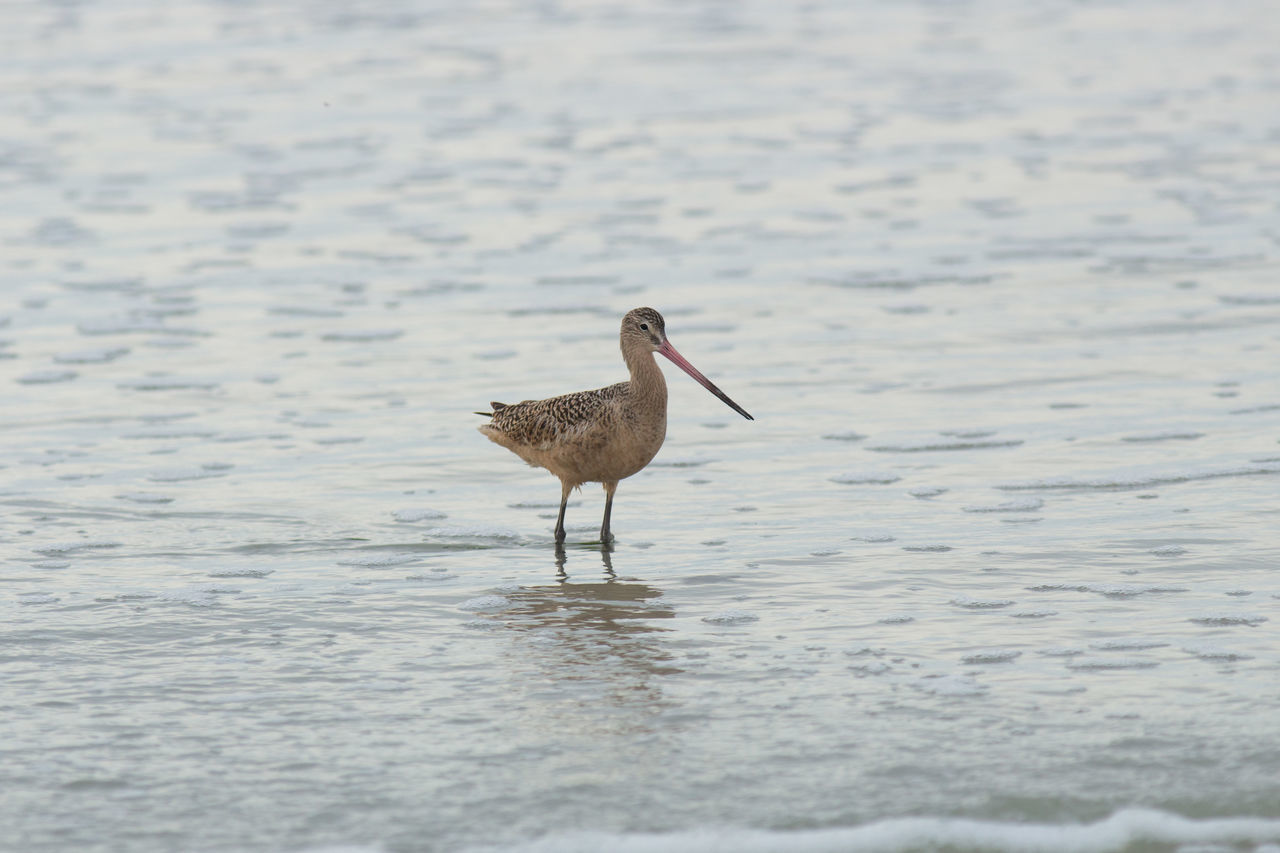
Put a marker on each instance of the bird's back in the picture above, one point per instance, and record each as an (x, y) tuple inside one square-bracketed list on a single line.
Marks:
[(588, 436), (542, 425)]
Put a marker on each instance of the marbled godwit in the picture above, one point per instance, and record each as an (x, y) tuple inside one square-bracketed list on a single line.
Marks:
[(605, 435)]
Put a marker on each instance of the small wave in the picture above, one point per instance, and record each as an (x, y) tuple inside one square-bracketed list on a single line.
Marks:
[(495, 354), (1253, 410), (679, 462), (379, 562), (1229, 619), (123, 285), (730, 617), (1249, 299), (991, 656), (474, 531), (940, 446), (951, 685), (417, 514), (856, 478), (145, 498), (167, 383), (1122, 481), (1215, 653), (1111, 663), (168, 433), (871, 667), (81, 545), (178, 475), (1115, 590), (483, 603), (142, 325), (47, 377), (433, 575), (97, 355), (1127, 645), (1169, 435), (303, 311), (192, 597), (1019, 505), (927, 492), (362, 335), (981, 603), (1169, 551)]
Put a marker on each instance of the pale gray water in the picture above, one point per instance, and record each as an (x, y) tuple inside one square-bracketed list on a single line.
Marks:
[(999, 282)]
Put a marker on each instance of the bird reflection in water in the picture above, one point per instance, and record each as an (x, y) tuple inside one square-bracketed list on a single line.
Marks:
[(604, 633), (616, 606), (606, 549)]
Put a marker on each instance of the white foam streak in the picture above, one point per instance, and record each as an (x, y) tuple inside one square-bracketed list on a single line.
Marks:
[(1116, 833)]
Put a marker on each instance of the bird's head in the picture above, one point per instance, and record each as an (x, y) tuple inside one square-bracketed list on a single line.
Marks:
[(644, 327)]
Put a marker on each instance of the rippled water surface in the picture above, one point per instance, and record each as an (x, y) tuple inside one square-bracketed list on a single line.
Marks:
[(999, 281)]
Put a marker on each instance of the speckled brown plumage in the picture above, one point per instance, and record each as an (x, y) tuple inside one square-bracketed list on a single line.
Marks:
[(540, 423), (599, 436)]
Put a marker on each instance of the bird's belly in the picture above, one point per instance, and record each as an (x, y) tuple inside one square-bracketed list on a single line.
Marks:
[(603, 457)]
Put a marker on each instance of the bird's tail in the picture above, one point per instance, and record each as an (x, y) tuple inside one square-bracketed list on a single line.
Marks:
[(497, 407)]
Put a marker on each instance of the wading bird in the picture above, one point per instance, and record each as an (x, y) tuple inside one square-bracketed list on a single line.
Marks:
[(605, 435)]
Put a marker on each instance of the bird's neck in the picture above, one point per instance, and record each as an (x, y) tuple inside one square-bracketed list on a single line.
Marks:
[(647, 381)]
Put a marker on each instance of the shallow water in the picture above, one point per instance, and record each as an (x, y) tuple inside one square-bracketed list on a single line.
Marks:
[(994, 565)]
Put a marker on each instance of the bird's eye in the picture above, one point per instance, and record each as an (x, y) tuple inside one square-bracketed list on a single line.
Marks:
[(644, 327)]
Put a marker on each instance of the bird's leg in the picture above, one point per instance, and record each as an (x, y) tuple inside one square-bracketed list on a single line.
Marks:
[(609, 488), (565, 488)]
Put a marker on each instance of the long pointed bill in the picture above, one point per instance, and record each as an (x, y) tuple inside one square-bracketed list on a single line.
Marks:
[(670, 352)]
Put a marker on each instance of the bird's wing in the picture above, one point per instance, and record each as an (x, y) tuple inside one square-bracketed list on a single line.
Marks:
[(543, 423)]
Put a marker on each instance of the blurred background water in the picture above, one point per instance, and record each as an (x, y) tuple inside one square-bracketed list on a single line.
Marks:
[(998, 281)]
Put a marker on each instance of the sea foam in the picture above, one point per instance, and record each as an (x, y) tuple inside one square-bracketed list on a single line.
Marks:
[(1120, 831)]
